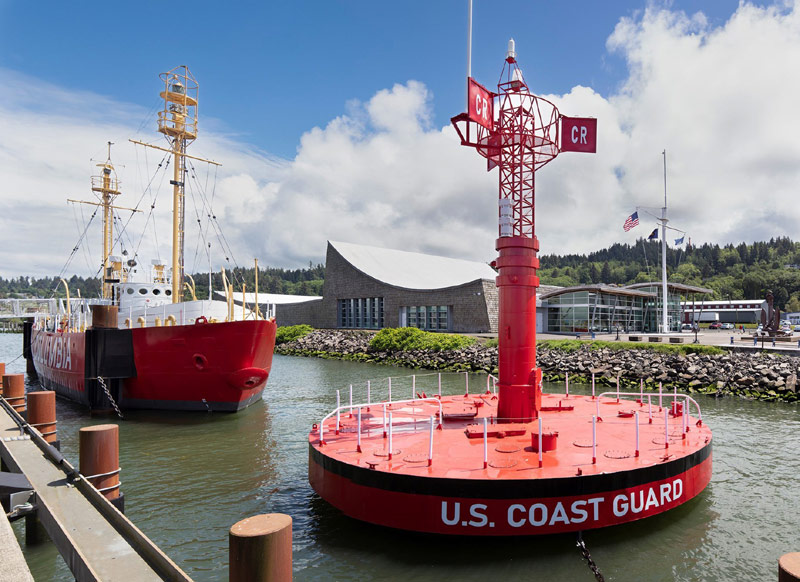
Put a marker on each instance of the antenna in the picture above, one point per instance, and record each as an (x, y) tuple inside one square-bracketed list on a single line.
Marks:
[(469, 48), (664, 153)]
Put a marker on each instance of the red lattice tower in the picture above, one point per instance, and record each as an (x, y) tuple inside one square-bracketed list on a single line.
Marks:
[(519, 133)]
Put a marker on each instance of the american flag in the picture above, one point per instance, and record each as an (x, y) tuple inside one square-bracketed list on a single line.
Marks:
[(631, 221)]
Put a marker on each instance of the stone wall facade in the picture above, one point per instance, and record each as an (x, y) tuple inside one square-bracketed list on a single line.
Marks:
[(473, 305)]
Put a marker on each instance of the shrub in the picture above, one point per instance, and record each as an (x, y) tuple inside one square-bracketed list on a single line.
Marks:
[(404, 339), (289, 333)]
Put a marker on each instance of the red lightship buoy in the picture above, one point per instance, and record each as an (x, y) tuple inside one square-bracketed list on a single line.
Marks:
[(512, 461)]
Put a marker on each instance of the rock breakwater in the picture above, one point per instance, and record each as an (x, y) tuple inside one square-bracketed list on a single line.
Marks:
[(757, 375)]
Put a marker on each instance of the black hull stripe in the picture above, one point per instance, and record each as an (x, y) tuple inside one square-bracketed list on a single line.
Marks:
[(508, 488)]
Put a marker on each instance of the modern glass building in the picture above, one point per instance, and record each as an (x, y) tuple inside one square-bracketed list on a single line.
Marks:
[(600, 308), (652, 321), (606, 308)]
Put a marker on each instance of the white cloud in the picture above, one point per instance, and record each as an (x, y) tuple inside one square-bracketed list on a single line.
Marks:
[(721, 101)]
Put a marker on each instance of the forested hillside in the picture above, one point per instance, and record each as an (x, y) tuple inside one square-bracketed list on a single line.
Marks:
[(732, 271), (270, 280)]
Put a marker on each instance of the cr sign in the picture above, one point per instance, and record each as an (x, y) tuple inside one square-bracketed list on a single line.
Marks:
[(579, 134), (481, 104)]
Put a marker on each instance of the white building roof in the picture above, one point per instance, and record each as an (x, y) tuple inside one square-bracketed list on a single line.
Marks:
[(273, 298), (412, 270)]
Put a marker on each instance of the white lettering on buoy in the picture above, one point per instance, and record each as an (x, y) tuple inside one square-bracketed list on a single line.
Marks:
[(677, 489), (475, 511), (559, 515), (511, 510), (453, 521), (652, 500), (544, 514), (656, 497), (575, 138), (581, 514), (666, 489), (532, 512)]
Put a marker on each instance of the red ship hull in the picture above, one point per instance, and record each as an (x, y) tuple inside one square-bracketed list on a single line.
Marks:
[(216, 366)]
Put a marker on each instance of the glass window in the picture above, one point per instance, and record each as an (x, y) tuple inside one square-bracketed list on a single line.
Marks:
[(364, 312), (427, 317)]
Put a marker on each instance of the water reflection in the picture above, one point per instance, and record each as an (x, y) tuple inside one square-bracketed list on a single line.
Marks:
[(188, 477)]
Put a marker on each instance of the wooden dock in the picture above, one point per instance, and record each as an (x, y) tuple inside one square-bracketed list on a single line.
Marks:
[(96, 541)]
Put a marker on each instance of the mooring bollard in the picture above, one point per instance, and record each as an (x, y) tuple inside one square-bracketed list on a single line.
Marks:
[(42, 414), (14, 391), (99, 458), (789, 567), (260, 549)]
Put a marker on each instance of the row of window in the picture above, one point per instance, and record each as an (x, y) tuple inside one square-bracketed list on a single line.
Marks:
[(364, 313), (427, 317), (367, 313), (145, 290)]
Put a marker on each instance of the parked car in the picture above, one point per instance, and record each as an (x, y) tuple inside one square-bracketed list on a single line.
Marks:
[(686, 327), (727, 326), (715, 325), (797, 327)]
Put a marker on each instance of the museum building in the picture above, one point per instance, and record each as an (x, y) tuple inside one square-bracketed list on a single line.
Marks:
[(369, 287)]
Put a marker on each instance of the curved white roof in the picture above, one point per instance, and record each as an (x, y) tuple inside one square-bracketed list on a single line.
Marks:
[(412, 270), (275, 298)]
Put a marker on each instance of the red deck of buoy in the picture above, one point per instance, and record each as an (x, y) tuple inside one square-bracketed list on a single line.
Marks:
[(577, 487)]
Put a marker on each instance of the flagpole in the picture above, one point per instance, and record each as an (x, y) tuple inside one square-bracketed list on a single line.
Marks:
[(664, 327), (469, 49)]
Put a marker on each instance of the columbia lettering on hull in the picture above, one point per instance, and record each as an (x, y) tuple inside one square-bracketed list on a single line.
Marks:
[(140, 345)]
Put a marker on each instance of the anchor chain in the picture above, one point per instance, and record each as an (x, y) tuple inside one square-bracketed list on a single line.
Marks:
[(108, 395), (589, 561)]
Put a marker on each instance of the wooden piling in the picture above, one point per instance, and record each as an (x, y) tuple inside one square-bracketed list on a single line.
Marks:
[(260, 549), (99, 457), (789, 567), (42, 413), (14, 391)]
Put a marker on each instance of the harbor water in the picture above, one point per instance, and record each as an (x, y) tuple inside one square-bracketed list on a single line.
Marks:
[(188, 477)]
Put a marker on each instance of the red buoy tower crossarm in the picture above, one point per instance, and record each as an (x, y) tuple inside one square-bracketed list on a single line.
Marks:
[(518, 133)]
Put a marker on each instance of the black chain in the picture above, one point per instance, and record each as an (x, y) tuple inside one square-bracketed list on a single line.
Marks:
[(110, 398), (588, 557)]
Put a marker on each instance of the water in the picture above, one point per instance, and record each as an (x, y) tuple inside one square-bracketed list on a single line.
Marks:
[(188, 477)]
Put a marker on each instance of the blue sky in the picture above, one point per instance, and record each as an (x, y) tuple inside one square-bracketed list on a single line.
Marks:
[(270, 71), (331, 120)]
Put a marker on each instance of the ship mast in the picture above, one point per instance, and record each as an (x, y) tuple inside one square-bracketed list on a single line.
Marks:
[(107, 185), (178, 122)]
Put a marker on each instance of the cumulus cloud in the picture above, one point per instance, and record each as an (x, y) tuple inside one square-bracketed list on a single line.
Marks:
[(720, 100)]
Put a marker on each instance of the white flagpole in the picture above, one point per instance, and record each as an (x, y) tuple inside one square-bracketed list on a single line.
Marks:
[(664, 328), (469, 49)]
